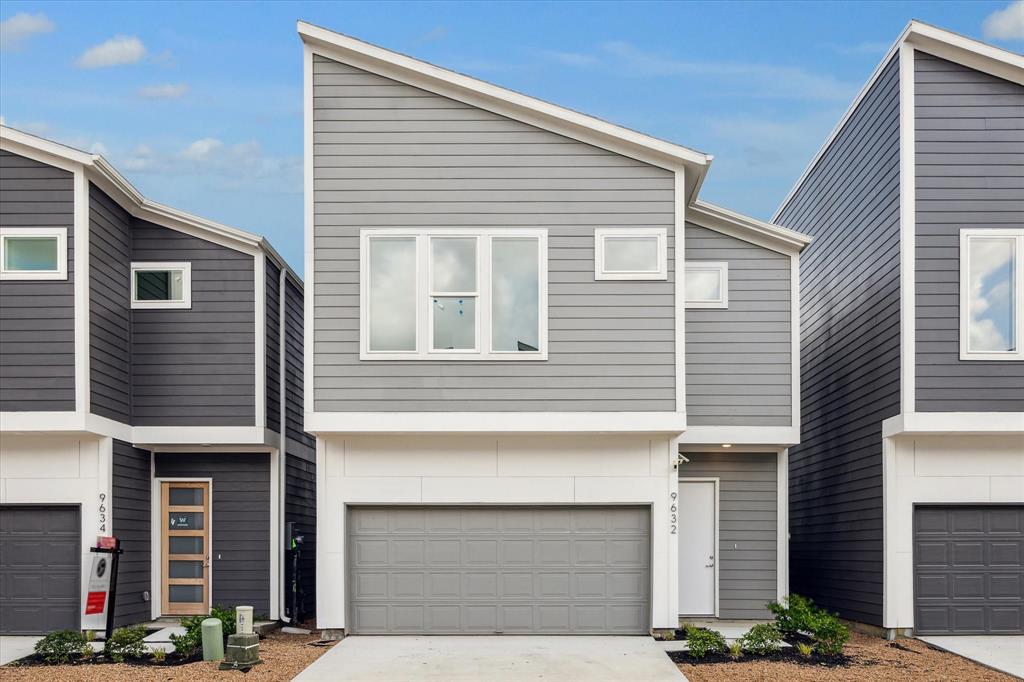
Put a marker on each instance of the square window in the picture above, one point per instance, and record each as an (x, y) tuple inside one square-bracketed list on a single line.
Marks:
[(991, 293), (33, 253), (707, 284), (640, 253), (161, 285)]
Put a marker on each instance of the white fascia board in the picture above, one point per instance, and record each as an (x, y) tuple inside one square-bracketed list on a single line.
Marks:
[(745, 228), (321, 423), (908, 231), (11, 138), (155, 436), (979, 423), (773, 437), (308, 255), (506, 102)]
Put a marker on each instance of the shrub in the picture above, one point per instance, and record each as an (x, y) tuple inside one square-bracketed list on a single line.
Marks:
[(735, 651), (703, 642), (668, 635), (800, 615), (126, 643), (804, 649), (762, 639), (829, 634), (62, 646), (190, 643), (794, 616), (227, 617), (159, 656)]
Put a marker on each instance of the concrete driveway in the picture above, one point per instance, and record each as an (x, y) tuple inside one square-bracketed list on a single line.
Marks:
[(493, 658), (1001, 652), (14, 647)]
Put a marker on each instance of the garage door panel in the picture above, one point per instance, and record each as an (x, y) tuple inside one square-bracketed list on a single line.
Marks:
[(1006, 521), (1006, 553), (1007, 586), (1007, 619)]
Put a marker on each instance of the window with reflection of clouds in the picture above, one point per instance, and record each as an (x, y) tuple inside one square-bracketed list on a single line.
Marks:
[(515, 294), (991, 302), (392, 294)]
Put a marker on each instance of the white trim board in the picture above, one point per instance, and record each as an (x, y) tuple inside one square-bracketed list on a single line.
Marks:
[(772, 437), (322, 423), (908, 232), (745, 228), (993, 423), (679, 259)]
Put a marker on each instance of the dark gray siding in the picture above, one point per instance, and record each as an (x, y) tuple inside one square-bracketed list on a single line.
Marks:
[(37, 318), (300, 508), (241, 521), (109, 307), (739, 360), (387, 154), (970, 174), (747, 528), (196, 366), (273, 346), (850, 356), (300, 443), (130, 513)]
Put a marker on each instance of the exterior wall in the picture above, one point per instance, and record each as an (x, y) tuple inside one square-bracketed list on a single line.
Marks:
[(273, 345), (850, 356), (109, 307), (747, 528), (969, 131), (299, 442), (130, 511), (739, 360), (37, 318), (52, 469), (388, 154), (195, 367), (300, 509), (240, 531), (939, 469), (454, 470)]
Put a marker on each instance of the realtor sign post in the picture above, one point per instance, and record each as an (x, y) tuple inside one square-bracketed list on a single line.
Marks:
[(102, 592)]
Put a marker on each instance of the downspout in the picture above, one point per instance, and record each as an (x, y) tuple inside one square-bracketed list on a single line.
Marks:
[(282, 452)]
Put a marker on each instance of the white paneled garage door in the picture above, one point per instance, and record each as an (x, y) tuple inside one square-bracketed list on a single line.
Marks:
[(487, 570)]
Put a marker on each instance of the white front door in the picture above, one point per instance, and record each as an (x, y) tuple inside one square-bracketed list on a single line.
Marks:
[(697, 552)]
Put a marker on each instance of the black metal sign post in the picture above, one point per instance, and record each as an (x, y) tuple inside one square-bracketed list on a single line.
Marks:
[(115, 553)]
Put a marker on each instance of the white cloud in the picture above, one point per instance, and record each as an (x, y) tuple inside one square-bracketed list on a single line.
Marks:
[(1005, 24), (991, 301), (568, 58), (202, 150), (164, 91), (17, 29), (142, 158), (114, 52)]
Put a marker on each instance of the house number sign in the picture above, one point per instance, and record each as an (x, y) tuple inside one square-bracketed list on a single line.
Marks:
[(102, 511), (672, 509)]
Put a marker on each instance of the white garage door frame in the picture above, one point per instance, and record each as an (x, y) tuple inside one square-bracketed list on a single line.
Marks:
[(347, 510)]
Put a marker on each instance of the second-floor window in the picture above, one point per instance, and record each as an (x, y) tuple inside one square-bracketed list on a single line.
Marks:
[(161, 285), (33, 253), (707, 284), (453, 295), (991, 294)]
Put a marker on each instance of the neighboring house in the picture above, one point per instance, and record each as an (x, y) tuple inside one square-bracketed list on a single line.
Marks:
[(552, 390), (150, 388), (907, 489)]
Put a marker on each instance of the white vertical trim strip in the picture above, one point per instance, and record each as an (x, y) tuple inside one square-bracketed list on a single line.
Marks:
[(275, 531), (155, 542), (325, 608), (908, 206), (782, 501), (794, 330), (308, 372), (680, 288), (260, 282), (282, 437), (81, 289)]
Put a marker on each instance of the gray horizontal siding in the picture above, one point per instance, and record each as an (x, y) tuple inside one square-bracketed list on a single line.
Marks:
[(739, 360), (970, 174), (300, 442), (387, 154), (109, 307), (850, 356), (197, 366), (241, 521), (130, 510), (37, 318), (300, 509), (747, 528), (273, 345)]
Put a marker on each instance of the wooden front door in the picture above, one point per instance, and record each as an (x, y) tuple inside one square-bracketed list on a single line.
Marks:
[(185, 566)]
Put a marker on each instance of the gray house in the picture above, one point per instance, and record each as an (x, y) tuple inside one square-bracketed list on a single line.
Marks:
[(552, 390), (907, 489), (150, 389)]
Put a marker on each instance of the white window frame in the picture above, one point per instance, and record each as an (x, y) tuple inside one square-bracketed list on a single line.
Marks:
[(61, 235), (186, 285), (966, 235), (722, 268), (601, 235), (425, 294)]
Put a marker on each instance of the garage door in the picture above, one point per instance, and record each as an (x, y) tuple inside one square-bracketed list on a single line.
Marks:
[(969, 570), (40, 551), (487, 570)]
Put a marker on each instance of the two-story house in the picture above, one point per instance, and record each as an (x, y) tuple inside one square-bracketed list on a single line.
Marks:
[(150, 389), (907, 489), (552, 390)]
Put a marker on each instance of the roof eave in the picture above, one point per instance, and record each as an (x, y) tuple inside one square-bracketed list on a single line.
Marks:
[(741, 226)]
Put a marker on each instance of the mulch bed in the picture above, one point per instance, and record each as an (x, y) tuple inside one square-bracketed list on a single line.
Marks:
[(865, 658)]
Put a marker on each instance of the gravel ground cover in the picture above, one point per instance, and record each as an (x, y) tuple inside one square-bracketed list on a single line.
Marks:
[(867, 658), (284, 657)]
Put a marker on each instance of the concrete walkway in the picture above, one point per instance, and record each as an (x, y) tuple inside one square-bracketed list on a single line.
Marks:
[(1000, 652), (14, 647), (496, 659)]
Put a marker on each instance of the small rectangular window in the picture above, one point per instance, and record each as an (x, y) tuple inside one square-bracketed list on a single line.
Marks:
[(640, 253), (515, 295), (707, 284), (991, 293), (453, 293), (161, 285), (392, 294), (33, 253)]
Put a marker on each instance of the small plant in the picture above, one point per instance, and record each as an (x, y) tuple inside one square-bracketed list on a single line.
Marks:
[(804, 649), (159, 656), (189, 644), (125, 644), (90, 635), (227, 617), (668, 635), (703, 642), (735, 651), (762, 640), (62, 646), (795, 615), (829, 634)]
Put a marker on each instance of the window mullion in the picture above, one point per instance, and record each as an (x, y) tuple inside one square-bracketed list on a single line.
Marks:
[(484, 302)]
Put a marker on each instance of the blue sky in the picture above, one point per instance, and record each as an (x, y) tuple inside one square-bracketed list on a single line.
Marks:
[(199, 104)]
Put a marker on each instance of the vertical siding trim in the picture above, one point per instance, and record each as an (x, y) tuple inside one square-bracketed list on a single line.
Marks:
[(310, 265), (794, 333), (679, 197), (908, 229), (277, 459), (260, 310), (282, 447), (81, 288), (782, 529)]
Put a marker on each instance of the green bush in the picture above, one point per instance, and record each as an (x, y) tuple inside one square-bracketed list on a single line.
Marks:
[(794, 616), (227, 616), (762, 639), (735, 651), (191, 643), (799, 615), (62, 647), (159, 655), (829, 634), (125, 644), (703, 642)]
